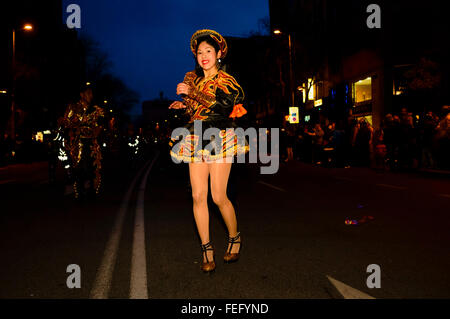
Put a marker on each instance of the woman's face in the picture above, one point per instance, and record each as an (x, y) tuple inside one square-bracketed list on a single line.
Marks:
[(207, 56)]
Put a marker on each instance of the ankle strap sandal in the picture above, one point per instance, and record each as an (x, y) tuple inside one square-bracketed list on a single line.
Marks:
[(207, 266), (232, 257)]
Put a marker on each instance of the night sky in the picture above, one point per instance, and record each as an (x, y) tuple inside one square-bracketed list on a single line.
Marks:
[(148, 40)]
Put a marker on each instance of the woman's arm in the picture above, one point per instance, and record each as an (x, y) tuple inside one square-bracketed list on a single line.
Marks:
[(230, 97), (189, 91), (201, 97), (177, 105)]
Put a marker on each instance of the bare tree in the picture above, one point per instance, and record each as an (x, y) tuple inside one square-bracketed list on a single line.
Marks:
[(98, 71)]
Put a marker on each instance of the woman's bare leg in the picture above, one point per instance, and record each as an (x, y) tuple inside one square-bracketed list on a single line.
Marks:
[(199, 173), (220, 173)]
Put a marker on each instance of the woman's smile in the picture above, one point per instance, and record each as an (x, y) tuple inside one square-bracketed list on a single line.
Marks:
[(206, 56)]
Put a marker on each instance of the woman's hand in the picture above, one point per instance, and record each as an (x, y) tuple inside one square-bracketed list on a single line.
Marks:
[(177, 105), (183, 88)]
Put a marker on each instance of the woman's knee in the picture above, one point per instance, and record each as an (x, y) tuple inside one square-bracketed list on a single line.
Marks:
[(199, 197), (219, 199)]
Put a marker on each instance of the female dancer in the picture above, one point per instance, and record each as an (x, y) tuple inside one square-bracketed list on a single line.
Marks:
[(213, 97)]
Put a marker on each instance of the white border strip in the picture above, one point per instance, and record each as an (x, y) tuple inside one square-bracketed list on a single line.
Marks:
[(138, 284), (348, 292), (103, 278)]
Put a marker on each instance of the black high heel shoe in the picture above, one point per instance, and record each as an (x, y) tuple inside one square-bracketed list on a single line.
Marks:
[(208, 266), (233, 257)]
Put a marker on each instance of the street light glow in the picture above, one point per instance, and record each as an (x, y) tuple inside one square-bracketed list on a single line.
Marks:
[(3, 92), (28, 27), (277, 31)]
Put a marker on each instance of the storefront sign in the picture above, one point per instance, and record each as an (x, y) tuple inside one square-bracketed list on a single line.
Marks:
[(293, 117)]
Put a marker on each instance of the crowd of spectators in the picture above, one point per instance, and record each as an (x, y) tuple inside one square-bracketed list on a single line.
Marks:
[(403, 142)]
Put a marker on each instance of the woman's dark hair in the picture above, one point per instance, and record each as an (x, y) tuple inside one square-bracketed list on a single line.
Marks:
[(211, 42)]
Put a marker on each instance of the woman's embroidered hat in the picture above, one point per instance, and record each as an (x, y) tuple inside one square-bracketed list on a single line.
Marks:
[(214, 35)]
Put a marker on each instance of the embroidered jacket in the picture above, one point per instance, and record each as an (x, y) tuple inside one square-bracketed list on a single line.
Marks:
[(215, 101)]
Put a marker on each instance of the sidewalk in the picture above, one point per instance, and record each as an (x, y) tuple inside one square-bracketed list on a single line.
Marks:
[(420, 171), (295, 176), (436, 172), (24, 172)]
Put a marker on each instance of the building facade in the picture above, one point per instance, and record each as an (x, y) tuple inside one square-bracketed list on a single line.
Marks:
[(342, 66)]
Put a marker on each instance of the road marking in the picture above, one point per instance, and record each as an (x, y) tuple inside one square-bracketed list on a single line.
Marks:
[(271, 186), (444, 195), (103, 278), (391, 186), (138, 283), (7, 181), (348, 292)]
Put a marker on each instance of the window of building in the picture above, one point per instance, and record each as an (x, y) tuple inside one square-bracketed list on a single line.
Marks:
[(312, 91), (399, 86), (362, 91), (319, 90)]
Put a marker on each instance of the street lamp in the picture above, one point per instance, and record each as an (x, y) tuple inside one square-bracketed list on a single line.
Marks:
[(291, 74), (27, 27)]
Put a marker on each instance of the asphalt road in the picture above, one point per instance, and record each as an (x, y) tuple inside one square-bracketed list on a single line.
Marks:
[(141, 240)]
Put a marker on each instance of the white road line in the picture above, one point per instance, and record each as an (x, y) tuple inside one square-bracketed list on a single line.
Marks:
[(271, 186), (103, 278), (138, 283), (348, 292), (7, 182), (391, 186)]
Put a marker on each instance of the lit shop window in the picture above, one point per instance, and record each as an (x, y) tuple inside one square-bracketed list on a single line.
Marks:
[(311, 92), (362, 91), (399, 86), (318, 87), (302, 92)]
